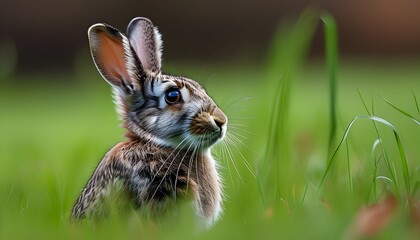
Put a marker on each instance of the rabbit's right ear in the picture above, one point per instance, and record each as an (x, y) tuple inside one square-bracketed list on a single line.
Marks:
[(146, 41), (114, 58)]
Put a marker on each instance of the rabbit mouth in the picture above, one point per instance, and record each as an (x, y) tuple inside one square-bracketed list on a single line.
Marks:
[(207, 140), (208, 128), (217, 136), (207, 136)]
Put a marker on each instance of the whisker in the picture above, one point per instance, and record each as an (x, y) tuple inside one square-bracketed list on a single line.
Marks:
[(189, 164), (202, 142), (232, 124), (179, 166), (167, 170), (196, 162), (238, 140), (241, 118), (201, 71), (238, 135), (228, 106), (231, 138), (231, 157), (239, 127), (223, 152), (196, 173), (163, 164)]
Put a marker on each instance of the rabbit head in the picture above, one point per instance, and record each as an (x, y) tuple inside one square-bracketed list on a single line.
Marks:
[(168, 110)]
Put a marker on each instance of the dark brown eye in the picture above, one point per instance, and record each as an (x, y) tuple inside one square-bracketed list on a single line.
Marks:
[(173, 96)]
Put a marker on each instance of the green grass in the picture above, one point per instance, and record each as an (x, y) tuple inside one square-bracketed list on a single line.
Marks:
[(55, 128)]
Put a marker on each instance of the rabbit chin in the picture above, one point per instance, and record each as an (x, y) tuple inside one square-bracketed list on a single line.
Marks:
[(208, 139), (193, 142)]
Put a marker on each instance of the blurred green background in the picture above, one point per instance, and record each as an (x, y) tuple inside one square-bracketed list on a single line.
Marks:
[(264, 64)]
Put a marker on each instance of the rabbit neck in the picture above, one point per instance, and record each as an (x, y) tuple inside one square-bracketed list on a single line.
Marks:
[(209, 194), (132, 136)]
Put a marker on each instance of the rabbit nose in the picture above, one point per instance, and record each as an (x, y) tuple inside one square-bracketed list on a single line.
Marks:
[(219, 122), (219, 117)]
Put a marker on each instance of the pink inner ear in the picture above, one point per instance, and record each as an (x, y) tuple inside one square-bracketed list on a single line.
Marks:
[(141, 45), (111, 56), (145, 40)]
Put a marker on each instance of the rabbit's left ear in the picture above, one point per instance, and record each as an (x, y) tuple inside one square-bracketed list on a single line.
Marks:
[(115, 59), (147, 43)]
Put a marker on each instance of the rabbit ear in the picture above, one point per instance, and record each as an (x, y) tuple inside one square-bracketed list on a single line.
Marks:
[(114, 58), (147, 43)]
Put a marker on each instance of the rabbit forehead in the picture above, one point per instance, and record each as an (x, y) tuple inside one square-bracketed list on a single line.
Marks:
[(190, 89), (162, 83)]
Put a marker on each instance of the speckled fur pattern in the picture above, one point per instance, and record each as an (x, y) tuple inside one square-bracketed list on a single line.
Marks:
[(167, 153)]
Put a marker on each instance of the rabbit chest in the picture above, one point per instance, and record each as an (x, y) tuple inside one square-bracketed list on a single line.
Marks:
[(155, 176)]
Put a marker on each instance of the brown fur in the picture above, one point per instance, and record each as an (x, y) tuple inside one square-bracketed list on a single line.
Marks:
[(167, 154), (163, 168)]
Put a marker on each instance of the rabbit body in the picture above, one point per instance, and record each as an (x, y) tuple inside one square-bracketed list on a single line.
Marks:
[(171, 126), (151, 180)]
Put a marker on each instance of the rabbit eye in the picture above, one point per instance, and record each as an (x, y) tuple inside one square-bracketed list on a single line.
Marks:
[(173, 96)]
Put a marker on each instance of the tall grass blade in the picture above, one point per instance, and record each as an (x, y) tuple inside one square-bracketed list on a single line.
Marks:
[(415, 101), (415, 188), (375, 166), (389, 164), (274, 170), (402, 111), (348, 167), (331, 50), (403, 158), (363, 102)]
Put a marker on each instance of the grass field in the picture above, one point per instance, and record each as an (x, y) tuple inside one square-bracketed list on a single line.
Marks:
[(54, 129)]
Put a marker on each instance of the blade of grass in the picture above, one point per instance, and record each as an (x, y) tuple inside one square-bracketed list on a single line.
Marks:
[(375, 166), (415, 188), (397, 139), (402, 111), (363, 102), (415, 100), (378, 142), (290, 48), (389, 164), (304, 194), (331, 48), (348, 167)]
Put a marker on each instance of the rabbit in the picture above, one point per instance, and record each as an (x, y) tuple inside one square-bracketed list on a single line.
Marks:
[(171, 125)]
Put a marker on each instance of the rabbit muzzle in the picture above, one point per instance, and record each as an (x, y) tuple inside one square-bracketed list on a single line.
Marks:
[(211, 126)]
